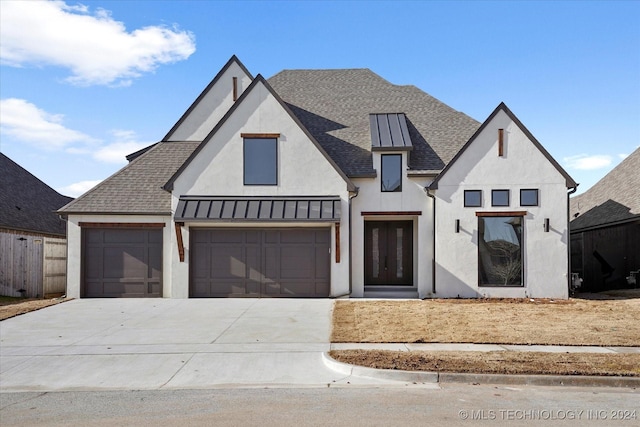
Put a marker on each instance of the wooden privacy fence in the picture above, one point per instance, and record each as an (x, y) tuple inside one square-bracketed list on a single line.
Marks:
[(32, 266)]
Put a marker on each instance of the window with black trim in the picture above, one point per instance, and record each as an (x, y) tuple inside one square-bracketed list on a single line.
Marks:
[(472, 198), (260, 161), (499, 197), (500, 251), (391, 172), (529, 197)]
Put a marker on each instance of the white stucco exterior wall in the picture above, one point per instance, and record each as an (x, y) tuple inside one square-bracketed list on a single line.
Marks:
[(523, 166), (412, 198), (213, 106), (74, 247), (302, 171)]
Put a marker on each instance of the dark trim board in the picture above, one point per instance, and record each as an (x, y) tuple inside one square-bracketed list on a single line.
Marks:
[(121, 224), (390, 213)]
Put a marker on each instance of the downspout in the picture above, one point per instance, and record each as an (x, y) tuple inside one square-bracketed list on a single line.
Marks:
[(573, 190), (351, 196), (433, 240)]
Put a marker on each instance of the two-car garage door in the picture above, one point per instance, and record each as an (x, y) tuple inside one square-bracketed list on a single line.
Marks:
[(259, 262)]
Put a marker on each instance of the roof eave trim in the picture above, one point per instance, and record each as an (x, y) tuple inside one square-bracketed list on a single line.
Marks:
[(153, 213)]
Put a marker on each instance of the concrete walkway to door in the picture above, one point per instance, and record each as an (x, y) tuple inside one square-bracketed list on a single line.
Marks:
[(132, 344)]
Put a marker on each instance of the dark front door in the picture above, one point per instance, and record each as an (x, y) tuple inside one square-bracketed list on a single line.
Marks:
[(388, 253)]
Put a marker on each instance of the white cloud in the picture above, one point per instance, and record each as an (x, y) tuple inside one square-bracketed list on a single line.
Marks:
[(97, 49), (26, 122), (585, 162), (124, 144), (78, 188)]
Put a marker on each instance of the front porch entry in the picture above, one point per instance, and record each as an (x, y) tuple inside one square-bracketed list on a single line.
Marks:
[(388, 254)]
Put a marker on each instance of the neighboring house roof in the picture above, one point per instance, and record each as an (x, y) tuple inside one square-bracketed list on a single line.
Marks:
[(136, 188), (334, 105), (28, 204), (502, 107), (613, 199)]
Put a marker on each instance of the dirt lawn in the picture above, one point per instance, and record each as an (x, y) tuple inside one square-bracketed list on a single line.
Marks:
[(10, 307), (605, 322), (611, 319)]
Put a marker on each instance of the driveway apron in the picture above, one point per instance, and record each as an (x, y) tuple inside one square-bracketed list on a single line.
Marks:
[(130, 344)]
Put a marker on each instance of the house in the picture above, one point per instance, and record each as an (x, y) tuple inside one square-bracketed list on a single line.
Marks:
[(32, 235), (325, 183), (605, 229)]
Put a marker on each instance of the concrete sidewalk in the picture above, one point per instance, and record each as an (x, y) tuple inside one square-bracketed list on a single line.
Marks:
[(482, 347), (133, 344)]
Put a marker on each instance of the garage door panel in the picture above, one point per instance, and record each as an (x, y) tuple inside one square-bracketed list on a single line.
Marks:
[(297, 262), (123, 236), (322, 259), (122, 262), (259, 262), (226, 262), (154, 268)]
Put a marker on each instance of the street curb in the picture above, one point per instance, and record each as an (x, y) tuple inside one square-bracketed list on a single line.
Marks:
[(382, 374), (452, 377)]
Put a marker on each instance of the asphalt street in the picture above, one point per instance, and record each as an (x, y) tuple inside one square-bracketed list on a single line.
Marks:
[(450, 405)]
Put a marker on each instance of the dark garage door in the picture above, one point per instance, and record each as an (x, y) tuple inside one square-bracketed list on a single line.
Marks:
[(122, 262), (260, 263)]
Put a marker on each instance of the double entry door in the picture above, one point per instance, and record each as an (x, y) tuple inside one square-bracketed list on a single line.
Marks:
[(388, 252)]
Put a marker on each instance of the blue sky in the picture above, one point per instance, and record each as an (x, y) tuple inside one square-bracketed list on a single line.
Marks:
[(83, 84)]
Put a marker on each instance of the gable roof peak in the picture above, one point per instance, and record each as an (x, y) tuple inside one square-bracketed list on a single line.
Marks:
[(570, 183), (233, 60)]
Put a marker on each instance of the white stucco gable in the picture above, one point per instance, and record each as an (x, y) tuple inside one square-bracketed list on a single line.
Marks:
[(216, 167), (212, 104), (502, 156)]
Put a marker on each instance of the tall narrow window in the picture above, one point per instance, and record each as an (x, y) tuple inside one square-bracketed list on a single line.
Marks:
[(260, 161), (500, 251), (391, 172)]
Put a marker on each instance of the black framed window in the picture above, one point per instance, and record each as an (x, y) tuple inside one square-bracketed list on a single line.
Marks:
[(260, 161), (472, 198), (391, 172), (529, 197), (499, 197), (500, 251)]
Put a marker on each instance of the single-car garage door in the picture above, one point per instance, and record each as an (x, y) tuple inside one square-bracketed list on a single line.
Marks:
[(260, 263), (122, 262)]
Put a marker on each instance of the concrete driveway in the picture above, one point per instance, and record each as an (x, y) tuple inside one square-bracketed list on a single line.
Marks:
[(134, 344)]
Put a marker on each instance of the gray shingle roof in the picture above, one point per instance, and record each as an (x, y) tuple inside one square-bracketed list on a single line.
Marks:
[(136, 188), (28, 204), (335, 106), (614, 198)]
